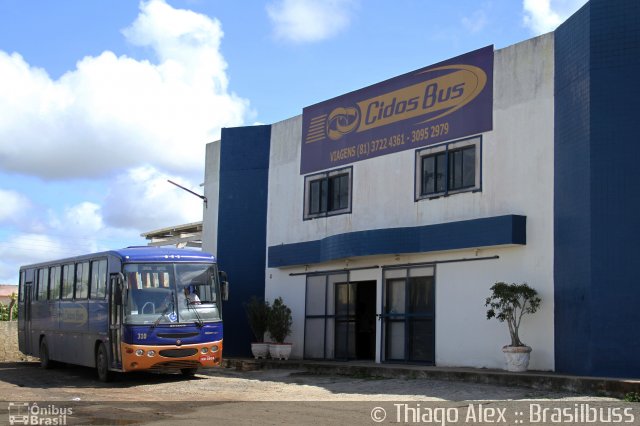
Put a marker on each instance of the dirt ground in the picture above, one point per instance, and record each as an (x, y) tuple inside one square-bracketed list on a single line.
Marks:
[(235, 397), (28, 382)]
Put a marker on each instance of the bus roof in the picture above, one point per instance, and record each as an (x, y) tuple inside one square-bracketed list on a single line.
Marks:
[(141, 254), (158, 254)]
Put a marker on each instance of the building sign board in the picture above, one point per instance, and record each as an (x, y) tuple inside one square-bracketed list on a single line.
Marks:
[(445, 101)]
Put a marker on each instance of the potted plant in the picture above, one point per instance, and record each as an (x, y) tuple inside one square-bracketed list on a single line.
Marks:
[(510, 302), (257, 311), (279, 326)]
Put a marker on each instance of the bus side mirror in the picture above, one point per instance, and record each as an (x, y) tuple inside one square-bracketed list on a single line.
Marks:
[(119, 284), (224, 285)]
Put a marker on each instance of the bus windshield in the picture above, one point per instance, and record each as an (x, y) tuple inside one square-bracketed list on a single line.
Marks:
[(166, 293)]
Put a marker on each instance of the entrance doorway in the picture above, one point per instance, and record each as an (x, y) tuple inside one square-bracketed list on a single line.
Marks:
[(340, 318), (355, 320)]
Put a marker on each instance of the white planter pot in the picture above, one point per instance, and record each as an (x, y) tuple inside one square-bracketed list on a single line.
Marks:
[(280, 351), (517, 357), (260, 350)]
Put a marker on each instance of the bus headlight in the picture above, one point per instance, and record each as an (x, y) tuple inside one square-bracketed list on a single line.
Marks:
[(214, 348), (139, 352), (204, 350), (151, 353)]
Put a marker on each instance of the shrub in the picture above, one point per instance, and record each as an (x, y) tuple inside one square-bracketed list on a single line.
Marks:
[(257, 311), (509, 302), (9, 312), (280, 321)]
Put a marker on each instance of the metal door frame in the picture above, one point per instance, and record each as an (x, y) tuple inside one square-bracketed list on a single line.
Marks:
[(406, 316), (28, 297), (115, 321)]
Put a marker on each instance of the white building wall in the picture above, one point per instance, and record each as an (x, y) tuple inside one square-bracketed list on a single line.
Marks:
[(517, 166), (212, 192)]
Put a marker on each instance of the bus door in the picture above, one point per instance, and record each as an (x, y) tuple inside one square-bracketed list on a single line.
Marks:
[(115, 319), (27, 318)]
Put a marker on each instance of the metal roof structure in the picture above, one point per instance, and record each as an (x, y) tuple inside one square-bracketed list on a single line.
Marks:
[(181, 236)]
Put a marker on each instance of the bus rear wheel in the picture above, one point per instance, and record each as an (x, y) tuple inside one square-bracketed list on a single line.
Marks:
[(45, 361), (102, 364), (189, 372)]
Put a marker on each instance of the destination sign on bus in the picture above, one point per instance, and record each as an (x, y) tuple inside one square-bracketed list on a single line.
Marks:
[(444, 101)]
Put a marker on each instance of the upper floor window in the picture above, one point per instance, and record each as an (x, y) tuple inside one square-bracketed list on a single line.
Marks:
[(449, 168), (328, 193)]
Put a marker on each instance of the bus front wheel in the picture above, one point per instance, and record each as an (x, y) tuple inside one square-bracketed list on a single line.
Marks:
[(102, 364), (45, 361)]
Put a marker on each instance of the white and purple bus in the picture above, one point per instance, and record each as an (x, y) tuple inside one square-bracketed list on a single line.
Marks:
[(139, 308)]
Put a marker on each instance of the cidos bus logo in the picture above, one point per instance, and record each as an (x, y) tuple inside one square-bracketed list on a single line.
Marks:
[(439, 92), (342, 121)]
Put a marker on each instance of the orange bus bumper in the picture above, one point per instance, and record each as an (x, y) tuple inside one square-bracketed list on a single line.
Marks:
[(170, 357)]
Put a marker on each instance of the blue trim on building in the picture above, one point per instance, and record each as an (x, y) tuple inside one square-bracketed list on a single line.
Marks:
[(485, 232), (597, 190), (242, 226)]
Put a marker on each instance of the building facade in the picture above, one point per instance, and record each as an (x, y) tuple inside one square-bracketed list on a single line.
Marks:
[(383, 216)]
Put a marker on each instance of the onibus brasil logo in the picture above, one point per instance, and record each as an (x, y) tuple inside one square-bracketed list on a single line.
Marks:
[(25, 413), (427, 100)]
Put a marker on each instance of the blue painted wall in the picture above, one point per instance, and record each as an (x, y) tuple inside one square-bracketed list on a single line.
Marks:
[(597, 190), (242, 226)]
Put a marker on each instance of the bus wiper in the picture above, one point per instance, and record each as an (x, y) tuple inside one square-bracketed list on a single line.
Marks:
[(164, 312), (199, 323)]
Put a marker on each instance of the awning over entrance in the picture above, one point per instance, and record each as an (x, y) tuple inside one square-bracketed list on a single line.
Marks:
[(475, 233)]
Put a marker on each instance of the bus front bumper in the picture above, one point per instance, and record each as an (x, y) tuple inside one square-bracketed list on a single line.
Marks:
[(170, 357)]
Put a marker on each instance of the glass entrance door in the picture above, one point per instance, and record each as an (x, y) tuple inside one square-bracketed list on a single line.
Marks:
[(409, 315), (345, 298), (340, 318)]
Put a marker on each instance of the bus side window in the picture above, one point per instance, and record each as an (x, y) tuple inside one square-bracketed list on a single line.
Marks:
[(82, 280), (67, 282), (98, 279), (21, 287), (54, 283), (43, 284)]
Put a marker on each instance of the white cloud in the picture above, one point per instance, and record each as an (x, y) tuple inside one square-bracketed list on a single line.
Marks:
[(83, 219), (106, 121), (77, 229), (113, 113), (309, 20), (12, 206), (542, 16), (143, 199), (24, 249), (476, 22)]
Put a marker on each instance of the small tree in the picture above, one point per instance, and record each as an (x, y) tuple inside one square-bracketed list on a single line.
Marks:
[(280, 321), (10, 312), (509, 302), (258, 316)]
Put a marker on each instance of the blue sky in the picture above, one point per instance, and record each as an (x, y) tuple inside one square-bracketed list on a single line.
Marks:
[(102, 101)]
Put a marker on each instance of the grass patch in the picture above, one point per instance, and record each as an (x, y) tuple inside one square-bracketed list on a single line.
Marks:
[(632, 397), (365, 376)]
